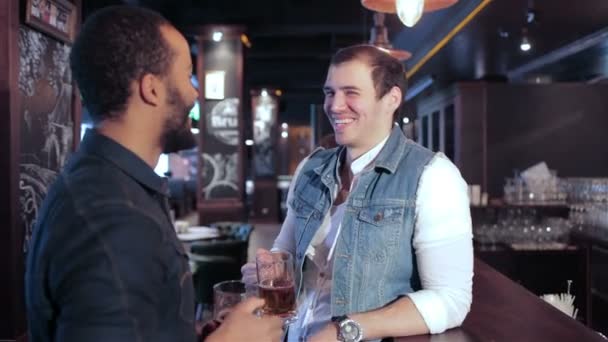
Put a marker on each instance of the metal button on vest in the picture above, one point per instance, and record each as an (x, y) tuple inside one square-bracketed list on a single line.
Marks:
[(379, 216)]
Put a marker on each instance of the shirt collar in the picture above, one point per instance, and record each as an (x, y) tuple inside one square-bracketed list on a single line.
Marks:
[(131, 164), (360, 163)]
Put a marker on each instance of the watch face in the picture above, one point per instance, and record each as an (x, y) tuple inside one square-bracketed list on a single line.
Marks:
[(350, 331)]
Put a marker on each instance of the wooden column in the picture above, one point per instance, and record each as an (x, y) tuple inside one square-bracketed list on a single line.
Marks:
[(12, 309)]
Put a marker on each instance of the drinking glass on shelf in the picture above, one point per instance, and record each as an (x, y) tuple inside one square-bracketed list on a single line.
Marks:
[(276, 284)]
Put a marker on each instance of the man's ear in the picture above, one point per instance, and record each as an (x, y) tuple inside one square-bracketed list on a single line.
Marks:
[(394, 98), (149, 89)]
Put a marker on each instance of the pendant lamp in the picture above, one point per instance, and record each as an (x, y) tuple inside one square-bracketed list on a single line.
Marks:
[(379, 39), (409, 11), (390, 6)]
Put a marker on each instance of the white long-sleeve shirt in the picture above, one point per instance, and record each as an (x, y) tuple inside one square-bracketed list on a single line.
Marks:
[(442, 242)]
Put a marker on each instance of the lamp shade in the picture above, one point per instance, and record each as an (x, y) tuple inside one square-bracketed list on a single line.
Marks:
[(389, 6), (401, 55)]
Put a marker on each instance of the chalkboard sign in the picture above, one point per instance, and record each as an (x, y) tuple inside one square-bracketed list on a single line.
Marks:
[(47, 125), (220, 124), (220, 159)]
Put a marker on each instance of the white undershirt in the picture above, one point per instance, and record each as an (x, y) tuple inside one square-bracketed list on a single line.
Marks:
[(442, 242)]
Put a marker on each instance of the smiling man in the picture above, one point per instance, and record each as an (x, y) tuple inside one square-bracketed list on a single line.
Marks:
[(380, 227)]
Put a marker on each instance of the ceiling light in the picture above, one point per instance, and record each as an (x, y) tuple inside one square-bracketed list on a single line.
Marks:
[(217, 36), (525, 44), (531, 16), (389, 6), (503, 33), (245, 40), (410, 11)]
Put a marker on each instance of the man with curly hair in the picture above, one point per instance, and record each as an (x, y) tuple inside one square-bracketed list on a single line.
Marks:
[(105, 263)]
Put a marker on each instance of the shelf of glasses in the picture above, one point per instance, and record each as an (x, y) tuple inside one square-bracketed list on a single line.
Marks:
[(537, 204)]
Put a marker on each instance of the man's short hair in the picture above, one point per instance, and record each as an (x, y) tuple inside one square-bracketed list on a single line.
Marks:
[(117, 45), (387, 71)]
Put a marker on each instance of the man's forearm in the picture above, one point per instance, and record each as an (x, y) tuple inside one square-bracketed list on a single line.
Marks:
[(400, 318)]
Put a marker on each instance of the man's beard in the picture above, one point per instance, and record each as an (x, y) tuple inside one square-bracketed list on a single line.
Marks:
[(176, 134)]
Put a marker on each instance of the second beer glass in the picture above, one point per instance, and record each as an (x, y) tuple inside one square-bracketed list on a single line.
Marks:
[(276, 284)]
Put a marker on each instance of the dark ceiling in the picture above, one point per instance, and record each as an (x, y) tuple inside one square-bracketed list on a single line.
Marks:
[(294, 39), (479, 51)]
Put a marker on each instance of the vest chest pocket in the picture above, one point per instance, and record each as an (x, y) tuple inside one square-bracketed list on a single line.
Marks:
[(301, 208), (380, 231), (378, 215), (304, 213)]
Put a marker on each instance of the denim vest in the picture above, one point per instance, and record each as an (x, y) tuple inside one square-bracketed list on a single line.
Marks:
[(374, 262)]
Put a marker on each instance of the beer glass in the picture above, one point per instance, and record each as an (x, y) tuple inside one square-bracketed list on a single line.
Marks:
[(226, 295), (276, 284)]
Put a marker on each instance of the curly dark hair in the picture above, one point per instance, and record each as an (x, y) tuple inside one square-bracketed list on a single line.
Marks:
[(117, 45), (387, 71)]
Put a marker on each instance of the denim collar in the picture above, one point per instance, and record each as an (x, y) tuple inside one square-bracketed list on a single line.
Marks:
[(392, 152), (394, 149), (104, 147)]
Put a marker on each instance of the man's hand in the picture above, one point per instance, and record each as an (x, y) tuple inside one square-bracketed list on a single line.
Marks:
[(249, 271), (328, 334), (243, 325)]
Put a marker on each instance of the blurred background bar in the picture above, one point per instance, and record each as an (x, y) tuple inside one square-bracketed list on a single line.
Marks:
[(512, 91)]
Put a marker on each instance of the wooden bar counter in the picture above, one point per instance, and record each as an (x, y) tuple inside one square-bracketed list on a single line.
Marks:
[(504, 311)]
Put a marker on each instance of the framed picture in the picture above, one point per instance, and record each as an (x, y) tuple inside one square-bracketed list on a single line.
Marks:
[(58, 18), (214, 85)]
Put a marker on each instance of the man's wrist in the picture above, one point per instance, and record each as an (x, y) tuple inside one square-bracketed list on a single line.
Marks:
[(348, 330)]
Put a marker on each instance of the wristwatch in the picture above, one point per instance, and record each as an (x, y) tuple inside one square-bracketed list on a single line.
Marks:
[(348, 329)]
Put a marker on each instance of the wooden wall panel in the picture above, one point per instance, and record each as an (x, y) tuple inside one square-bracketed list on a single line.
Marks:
[(563, 124), (12, 311), (470, 154)]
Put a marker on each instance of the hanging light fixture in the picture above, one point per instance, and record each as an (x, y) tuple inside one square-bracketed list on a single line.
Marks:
[(379, 39), (217, 36), (410, 11), (390, 6), (525, 45)]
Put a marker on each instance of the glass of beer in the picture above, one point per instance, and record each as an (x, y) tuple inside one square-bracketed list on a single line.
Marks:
[(226, 295), (276, 284)]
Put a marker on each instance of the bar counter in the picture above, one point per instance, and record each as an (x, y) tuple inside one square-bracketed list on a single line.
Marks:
[(504, 311)]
